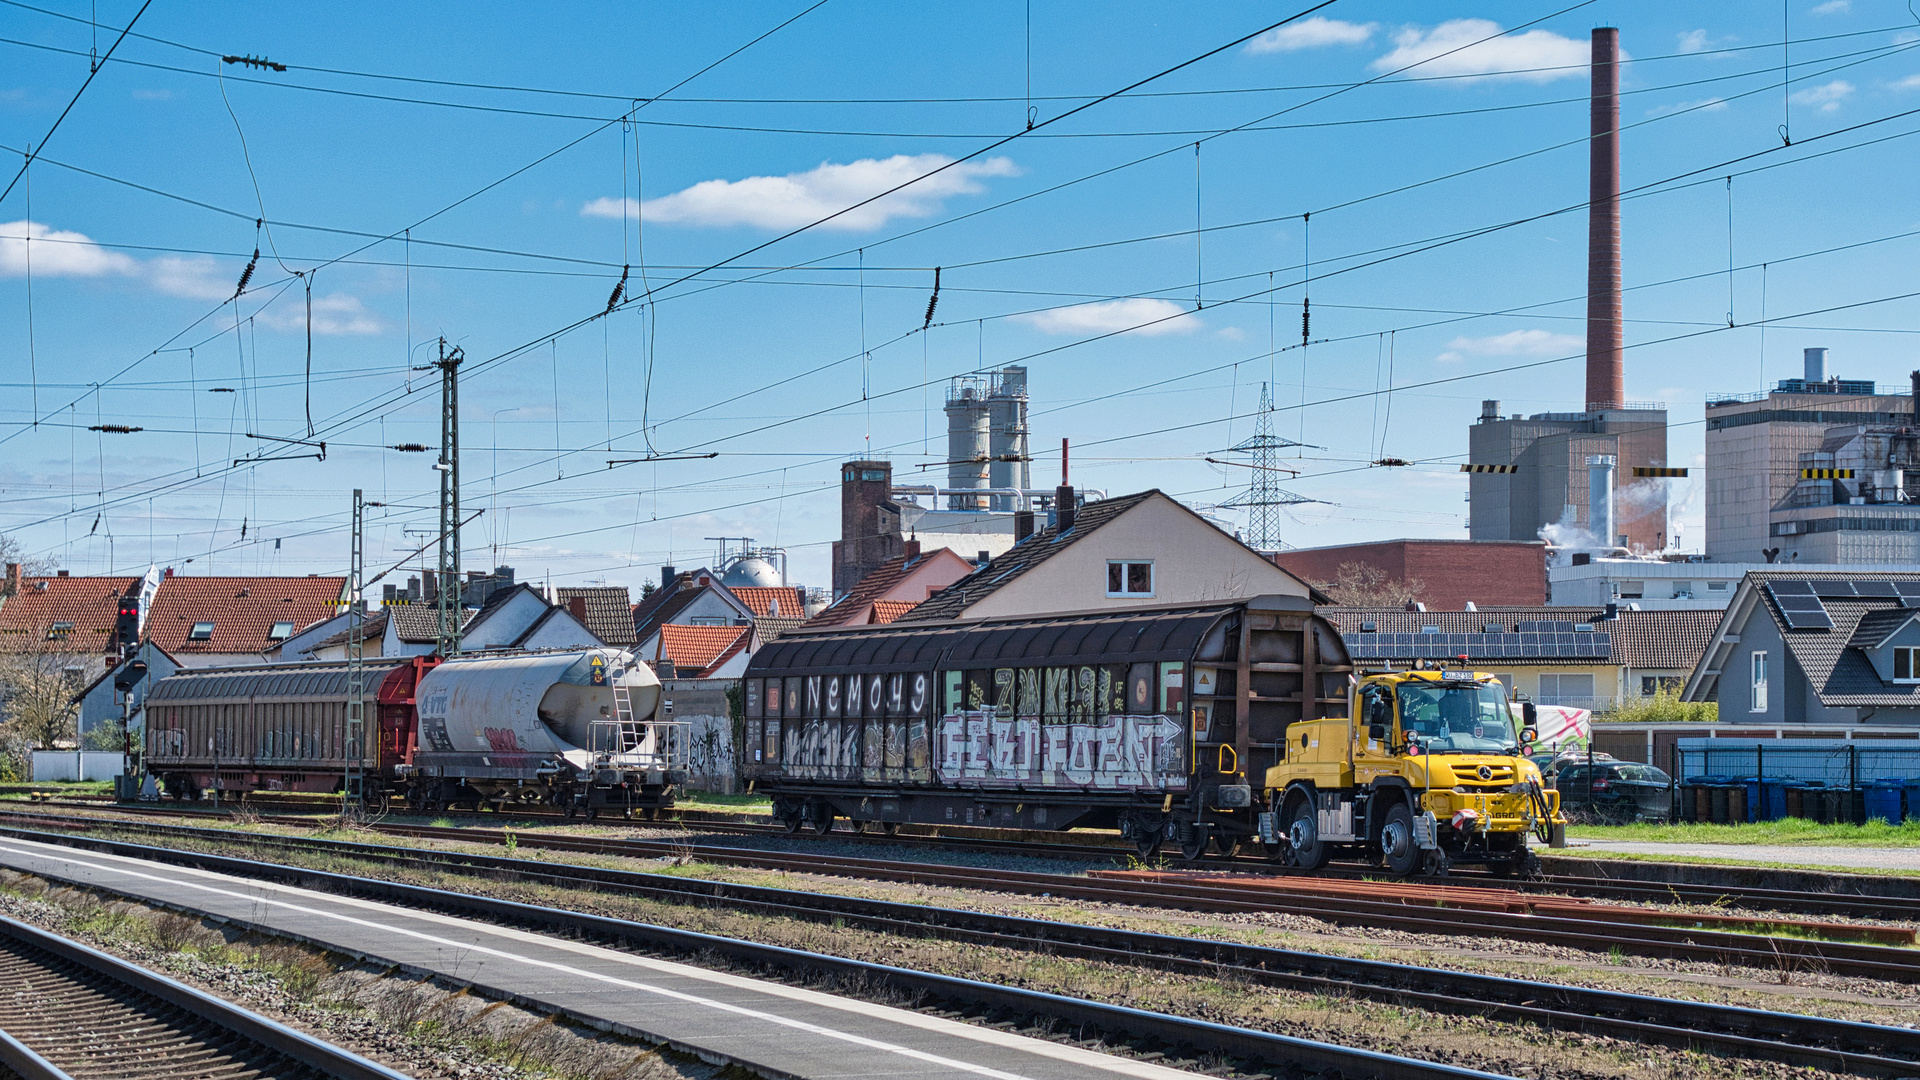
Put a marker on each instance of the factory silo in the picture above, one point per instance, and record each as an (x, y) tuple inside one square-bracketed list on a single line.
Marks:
[(968, 442), (1007, 443)]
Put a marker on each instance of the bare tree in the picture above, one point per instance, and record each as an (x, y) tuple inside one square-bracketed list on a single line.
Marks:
[(36, 697), (12, 552), (1361, 585)]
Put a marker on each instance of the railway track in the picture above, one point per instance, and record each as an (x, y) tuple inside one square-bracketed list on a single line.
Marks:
[(1793, 1039), (1180, 1042), (75, 1012), (1877, 906), (1396, 905)]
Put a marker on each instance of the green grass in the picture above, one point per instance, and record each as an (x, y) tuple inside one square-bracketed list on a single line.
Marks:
[(1789, 831), (61, 787), (1764, 864), (736, 804)]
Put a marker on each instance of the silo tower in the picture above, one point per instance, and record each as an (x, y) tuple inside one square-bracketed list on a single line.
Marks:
[(969, 450), (1007, 439)]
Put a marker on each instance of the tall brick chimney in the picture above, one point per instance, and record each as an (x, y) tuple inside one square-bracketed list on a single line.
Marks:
[(1606, 364)]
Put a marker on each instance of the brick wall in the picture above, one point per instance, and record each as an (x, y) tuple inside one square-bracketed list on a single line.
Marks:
[(1487, 572)]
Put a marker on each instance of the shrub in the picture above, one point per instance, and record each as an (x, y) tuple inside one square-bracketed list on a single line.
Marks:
[(1664, 707)]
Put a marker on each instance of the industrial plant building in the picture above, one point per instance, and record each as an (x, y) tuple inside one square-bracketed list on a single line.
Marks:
[(1819, 470), (1595, 478)]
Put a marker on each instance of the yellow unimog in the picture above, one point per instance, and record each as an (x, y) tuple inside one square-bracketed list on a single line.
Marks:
[(1426, 771)]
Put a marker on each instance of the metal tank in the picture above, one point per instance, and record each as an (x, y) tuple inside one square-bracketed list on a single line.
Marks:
[(968, 441), (538, 704), (752, 571)]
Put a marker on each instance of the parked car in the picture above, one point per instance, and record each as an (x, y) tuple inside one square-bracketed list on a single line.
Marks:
[(1551, 764), (1618, 791)]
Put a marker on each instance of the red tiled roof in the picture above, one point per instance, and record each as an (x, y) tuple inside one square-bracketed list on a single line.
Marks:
[(877, 583), (696, 649), (793, 600), (91, 604), (241, 609), (885, 611)]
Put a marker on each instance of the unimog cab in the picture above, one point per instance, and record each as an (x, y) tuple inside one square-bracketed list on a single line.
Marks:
[(1427, 770)]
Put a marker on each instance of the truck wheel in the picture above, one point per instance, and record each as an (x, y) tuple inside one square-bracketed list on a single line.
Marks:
[(1397, 848), (1303, 834)]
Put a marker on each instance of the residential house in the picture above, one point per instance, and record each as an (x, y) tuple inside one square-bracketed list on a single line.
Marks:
[(689, 598), (776, 608), (520, 618), (1142, 550), (71, 621), (1832, 650), (104, 699), (680, 651), (895, 587), (607, 610), (1584, 658), (222, 621)]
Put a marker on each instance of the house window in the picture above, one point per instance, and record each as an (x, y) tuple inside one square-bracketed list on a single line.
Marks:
[(709, 620), (1716, 586), (1632, 590), (1573, 690), (1758, 669), (202, 631), (59, 631), (1654, 684), (1906, 665), (1683, 590), (1129, 578), (281, 631)]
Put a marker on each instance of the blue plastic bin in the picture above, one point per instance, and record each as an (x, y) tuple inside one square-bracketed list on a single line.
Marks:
[(1883, 799), (1755, 807), (1913, 798), (1775, 792)]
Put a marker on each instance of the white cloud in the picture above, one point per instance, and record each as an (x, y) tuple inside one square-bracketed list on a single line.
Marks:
[(1703, 105), (1513, 343), (1108, 316), (1230, 333), (1693, 41), (1833, 7), (1311, 34), (1508, 56), (153, 95), (56, 253), (1908, 83), (1826, 97), (197, 277), (796, 199), (335, 314)]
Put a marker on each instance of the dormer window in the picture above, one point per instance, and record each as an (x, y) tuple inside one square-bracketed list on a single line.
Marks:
[(202, 631), (59, 631), (1906, 665), (281, 631)]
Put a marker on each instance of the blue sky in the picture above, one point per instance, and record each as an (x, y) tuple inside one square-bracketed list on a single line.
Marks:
[(808, 351)]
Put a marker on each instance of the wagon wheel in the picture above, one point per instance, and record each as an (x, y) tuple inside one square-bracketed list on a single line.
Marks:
[(1193, 845), (1227, 846), (890, 828), (1147, 843), (823, 822)]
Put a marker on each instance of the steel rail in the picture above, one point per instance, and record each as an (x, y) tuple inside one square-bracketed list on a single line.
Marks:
[(1795, 1039), (1138, 1028), (1769, 953), (152, 1001)]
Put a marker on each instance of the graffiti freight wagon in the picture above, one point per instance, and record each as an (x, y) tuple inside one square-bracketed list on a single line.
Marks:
[(1129, 718)]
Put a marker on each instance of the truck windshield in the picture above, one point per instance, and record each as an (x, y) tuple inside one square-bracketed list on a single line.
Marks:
[(1458, 718)]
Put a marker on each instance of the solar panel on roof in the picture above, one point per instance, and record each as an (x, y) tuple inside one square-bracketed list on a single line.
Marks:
[(1785, 588), (1874, 588), (1799, 603), (1907, 588), (1808, 620), (1829, 587)]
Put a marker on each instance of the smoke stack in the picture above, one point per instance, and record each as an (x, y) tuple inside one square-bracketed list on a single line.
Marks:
[(1916, 399), (1606, 365), (1022, 525), (1600, 498), (1816, 365)]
